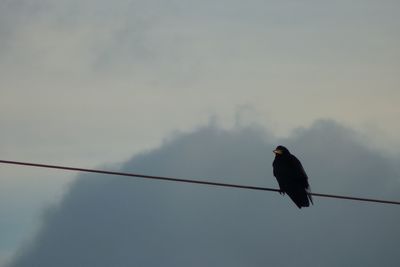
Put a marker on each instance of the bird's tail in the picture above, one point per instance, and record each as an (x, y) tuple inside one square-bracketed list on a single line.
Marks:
[(300, 198)]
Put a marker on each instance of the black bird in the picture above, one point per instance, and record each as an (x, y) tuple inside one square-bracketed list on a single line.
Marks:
[(291, 177)]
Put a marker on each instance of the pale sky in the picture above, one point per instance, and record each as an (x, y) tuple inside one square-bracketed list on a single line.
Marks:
[(90, 82)]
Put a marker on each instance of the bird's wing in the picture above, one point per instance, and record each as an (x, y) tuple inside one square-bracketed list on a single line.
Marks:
[(302, 175), (299, 170)]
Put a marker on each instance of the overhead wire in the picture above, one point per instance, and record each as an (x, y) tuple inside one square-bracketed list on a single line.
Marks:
[(191, 181)]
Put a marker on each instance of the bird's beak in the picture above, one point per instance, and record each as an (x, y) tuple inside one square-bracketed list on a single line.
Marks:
[(276, 151)]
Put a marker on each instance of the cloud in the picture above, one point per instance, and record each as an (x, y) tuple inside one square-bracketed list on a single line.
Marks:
[(91, 36), (115, 221), (193, 56)]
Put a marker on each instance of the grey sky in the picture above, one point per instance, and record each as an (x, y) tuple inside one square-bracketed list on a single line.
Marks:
[(92, 82), (108, 221)]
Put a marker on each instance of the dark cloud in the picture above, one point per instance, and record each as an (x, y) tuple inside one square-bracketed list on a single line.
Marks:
[(109, 221)]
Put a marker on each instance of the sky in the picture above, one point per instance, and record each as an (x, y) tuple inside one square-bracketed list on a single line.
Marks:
[(121, 85)]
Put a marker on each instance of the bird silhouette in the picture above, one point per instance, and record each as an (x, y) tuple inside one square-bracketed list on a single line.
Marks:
[(291, 177)]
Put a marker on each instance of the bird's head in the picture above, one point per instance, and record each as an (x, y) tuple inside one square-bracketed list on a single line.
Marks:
[(281, 150)]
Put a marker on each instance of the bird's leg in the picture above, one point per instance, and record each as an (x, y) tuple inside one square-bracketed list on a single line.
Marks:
[(281, 191)]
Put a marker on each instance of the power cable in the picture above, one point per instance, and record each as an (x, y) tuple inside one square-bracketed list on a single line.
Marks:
[(192, 181)]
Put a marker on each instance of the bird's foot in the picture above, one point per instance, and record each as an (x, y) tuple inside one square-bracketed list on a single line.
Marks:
[(282, 192)]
